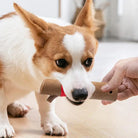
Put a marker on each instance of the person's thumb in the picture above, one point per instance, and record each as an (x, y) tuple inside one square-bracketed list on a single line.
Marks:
[(114, 82)]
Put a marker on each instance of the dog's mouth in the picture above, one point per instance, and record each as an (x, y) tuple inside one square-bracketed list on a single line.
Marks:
[(75, 103)]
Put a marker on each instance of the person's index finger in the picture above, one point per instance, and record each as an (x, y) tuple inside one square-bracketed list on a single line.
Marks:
[(116, 79), (108, 76)]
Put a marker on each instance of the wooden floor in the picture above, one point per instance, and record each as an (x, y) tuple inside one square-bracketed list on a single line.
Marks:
[(90, 120)]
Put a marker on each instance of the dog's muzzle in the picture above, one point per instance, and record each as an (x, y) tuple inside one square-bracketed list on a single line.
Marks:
[(79, 96)]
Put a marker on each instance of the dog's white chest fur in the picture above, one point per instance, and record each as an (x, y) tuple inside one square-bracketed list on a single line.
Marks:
[(16, 50)]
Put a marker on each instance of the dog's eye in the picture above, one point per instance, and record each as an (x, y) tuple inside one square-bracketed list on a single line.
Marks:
[(62, 63), (87, 62)]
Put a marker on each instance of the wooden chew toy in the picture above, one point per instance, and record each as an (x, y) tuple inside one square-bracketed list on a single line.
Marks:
[(54, 88)]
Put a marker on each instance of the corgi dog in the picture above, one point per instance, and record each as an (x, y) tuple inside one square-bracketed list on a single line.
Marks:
[(33, 49)]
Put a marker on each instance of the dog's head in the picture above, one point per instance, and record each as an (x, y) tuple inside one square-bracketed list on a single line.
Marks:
[(65, 53)]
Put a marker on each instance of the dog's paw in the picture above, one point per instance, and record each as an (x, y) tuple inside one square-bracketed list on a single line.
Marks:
[(54, 126), (6, 131), (17, 109)]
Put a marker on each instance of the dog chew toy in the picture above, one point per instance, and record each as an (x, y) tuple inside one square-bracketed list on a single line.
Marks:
[(54, 89)]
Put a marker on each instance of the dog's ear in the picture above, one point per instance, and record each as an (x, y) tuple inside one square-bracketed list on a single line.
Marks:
[(86, 16), (37, 26)]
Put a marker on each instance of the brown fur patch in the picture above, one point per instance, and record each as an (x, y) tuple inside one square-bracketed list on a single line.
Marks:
[(36, 25), (86, 17), (8, 15)]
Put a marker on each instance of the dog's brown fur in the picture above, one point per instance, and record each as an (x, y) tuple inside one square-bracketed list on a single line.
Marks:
[(8, 15)]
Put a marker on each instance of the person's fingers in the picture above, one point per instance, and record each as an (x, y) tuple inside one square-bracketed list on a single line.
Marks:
[(108, 76), (122, 88), (106, 102), (115, 81), (121, 96), (131, 84), (133, 87), (125, 95)]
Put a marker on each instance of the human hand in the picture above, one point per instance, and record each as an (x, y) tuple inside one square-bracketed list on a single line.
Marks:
[(124, 76)]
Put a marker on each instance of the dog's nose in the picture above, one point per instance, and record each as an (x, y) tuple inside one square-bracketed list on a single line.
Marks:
[(79, 94)]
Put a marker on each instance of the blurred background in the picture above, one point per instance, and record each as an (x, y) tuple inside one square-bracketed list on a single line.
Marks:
[(118, 18)]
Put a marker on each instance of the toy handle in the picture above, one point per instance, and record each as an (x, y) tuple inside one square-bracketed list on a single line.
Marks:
[(100, 95)]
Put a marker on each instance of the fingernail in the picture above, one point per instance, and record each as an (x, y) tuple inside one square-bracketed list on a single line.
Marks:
[(105, 87)]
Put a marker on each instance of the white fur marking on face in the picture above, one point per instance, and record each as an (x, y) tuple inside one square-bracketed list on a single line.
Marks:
[(75, 44)]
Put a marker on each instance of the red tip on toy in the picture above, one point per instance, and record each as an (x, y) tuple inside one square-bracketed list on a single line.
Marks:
[(62, 92)]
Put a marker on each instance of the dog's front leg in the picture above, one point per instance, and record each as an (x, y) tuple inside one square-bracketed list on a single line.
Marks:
[(50, 122), (6, 130)]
